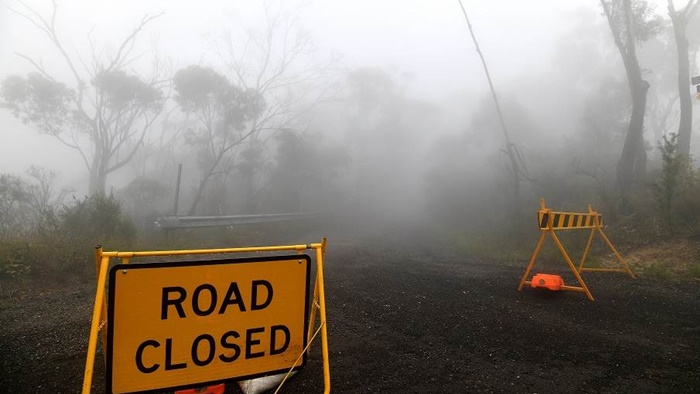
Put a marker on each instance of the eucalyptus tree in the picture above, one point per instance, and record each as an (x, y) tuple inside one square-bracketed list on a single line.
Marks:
[(631, 23), (104, 112), (224, 117), (279, 61), (680, 19)]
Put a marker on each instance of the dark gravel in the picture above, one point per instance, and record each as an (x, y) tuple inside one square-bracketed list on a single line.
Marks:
[(404, 316)]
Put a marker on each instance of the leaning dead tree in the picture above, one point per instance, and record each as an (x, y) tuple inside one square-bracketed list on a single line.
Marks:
[(517, 165), (103, 113)]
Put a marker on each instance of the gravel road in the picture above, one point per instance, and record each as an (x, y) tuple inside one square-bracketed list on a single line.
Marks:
[(406, 316)]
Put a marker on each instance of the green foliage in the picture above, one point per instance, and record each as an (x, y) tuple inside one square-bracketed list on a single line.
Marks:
[(143, 190), (28, 204), (62, 245), (657, 270), (303, 177), (198, 86), (488, 244), (37, 100), (209, 94), (13, 197), (646, 23), (666, 186), (675, 187), (688, 204), (123, 91), (110, 123), (15, 259), (694, 270), (98, 218), (225, 118)]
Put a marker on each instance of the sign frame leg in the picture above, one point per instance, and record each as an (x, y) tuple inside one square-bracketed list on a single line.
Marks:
[(96, 319)]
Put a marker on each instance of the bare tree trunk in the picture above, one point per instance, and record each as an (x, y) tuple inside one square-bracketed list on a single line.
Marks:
[(684, 128), (98, 176), (98, 183), (203, 183), (631, 168), (680, 22), (199, 194), (510, 147)]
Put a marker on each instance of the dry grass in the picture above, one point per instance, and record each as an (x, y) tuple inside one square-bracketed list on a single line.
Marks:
[(677, 258)]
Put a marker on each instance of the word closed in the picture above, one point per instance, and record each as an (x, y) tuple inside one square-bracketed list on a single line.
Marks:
[(178, 324)]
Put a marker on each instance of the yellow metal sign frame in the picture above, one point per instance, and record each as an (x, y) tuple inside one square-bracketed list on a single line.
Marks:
[(99, 323), (551, 221)]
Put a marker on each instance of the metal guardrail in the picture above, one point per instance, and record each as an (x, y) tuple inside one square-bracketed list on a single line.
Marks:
[(172, 222)]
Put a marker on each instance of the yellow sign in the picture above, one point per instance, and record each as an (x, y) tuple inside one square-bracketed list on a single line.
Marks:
[(179, 324)]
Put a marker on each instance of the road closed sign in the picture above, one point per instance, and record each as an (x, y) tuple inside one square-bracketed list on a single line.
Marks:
[(179, 324)]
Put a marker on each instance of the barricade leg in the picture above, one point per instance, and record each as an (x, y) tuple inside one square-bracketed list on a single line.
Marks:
[(585, 251), (95, 326), (532, 260), (320, 252), (619, 258), (103, 314), (312, 313), (573, 268)]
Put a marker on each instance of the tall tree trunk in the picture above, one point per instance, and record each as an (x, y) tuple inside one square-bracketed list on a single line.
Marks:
[(98, 176), (203, 182), (98, 183), (631, 168), (199, 194), (684, 128), (680, 22)]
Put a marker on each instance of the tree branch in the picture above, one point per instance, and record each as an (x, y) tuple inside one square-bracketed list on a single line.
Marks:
[(38, 66), (129, 42)]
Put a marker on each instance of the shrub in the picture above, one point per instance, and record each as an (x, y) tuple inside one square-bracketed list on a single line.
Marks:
[(13, 203), (98, 219), (62, 246), (15, 259), (666, 187)]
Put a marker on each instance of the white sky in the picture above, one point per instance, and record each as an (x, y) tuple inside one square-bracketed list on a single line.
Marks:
[(426, 38)]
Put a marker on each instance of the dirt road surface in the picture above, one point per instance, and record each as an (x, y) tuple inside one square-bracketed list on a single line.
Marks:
[(407, 316)]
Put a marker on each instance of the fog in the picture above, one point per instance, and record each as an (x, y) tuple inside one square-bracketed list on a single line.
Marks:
[(382, 107)]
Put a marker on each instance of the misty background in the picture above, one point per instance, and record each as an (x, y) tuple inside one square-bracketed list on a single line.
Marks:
[(377, 108)]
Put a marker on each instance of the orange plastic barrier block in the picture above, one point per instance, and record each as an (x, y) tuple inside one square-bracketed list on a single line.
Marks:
[(218, 389), (548, 281)]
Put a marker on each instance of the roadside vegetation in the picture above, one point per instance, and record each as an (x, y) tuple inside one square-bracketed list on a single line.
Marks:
[(657, 231), (49, 234), (53, 239)]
